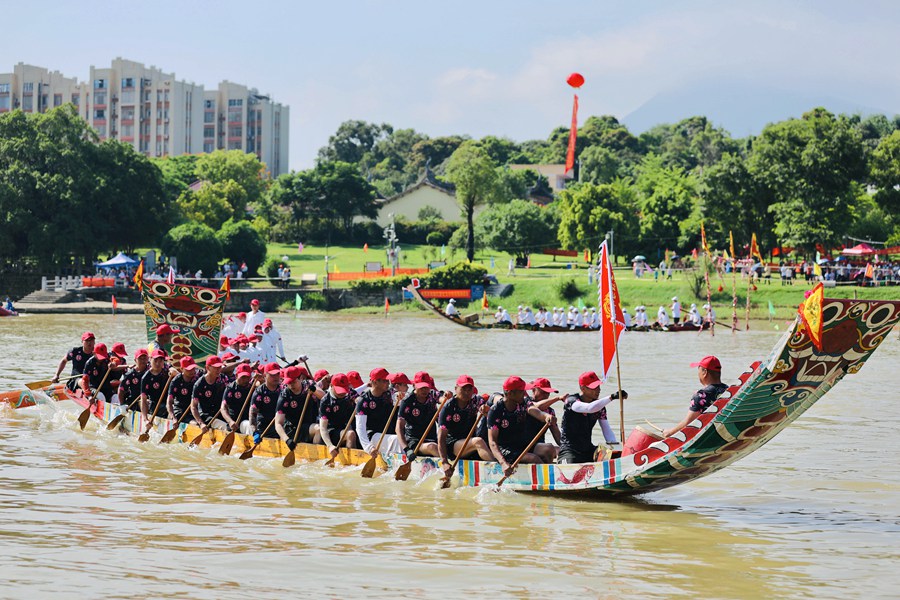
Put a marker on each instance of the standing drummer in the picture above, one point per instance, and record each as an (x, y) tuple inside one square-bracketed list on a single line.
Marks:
[(78, 356), (709, 371), (582, 411)]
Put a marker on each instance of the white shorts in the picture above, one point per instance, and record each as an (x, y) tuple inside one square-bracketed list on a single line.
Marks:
[(390, 445)]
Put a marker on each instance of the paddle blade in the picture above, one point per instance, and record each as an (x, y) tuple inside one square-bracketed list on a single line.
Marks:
[(196, 440), (445, 483), (403, 471), (143, 437), (289, 459), (37, 385), (83, 417), (227, 443), (115, 422), (369, 468), (248, 453), (169, 436)]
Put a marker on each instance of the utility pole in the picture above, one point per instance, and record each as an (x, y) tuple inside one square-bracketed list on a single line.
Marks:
[(391, 236), (612, 248)]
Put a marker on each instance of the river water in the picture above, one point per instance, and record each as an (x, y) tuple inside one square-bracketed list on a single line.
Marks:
[(814, 513)]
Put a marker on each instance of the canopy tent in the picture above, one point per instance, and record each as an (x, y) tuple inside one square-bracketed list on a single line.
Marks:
[(859, 250), (119, 260)]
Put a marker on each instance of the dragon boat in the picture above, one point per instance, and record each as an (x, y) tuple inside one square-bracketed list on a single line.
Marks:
[(767, 398), (471, 321)]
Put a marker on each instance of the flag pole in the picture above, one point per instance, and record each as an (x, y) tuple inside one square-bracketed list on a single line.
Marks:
[(749, 288), (619, 383)]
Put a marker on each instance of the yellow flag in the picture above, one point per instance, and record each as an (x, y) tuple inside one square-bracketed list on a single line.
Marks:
[(731, 243), (811, 313), (725, 253), (703, 239), (336, 270)]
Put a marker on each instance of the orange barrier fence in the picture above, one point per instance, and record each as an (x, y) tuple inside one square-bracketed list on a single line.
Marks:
[(98, 282), (373, 274)]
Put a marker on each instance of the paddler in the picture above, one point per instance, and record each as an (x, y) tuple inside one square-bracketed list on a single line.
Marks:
[(356, 382), (234, 325), (399, 386), (456, 421), (676, 309), (233, 400), (95, 372), (152, 384), (373, 409), (272, 340), (118, 358), (451, 311), (335, 412), (581, 412), (78, 356), (163, 341), (181, 389), (709, 371), (130, 385), (540, 397), (264, 401), (507, 426), (297, 384), (206, 400), (415, 413)]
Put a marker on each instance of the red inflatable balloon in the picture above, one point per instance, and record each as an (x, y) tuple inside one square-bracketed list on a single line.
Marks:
[(575, 80)]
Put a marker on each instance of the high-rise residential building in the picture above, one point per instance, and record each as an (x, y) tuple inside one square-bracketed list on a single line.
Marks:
[(156, 113)]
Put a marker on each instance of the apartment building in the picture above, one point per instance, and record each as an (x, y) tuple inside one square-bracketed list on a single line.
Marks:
[(156, 113)]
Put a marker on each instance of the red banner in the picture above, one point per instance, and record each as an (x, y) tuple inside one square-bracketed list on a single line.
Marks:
[(573, 133), (612, 321)]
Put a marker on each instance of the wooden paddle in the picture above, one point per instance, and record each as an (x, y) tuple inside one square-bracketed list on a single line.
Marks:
[(146, 436), (86, 413), (199, 438), (404, 470), (39, 385), (524, 452), (369, 468), (445, 481), (249, 453), (330, 462), (115, 422), (290, 458), (228, 442), (169, 435)]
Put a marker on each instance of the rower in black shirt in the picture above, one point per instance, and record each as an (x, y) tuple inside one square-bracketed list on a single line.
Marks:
[(507, 426), (78, 356), (181, 390), (416, 412), (206, 400), (373, 409), (233, 400), (95, 373), (540, 390), (582, 412), (297, 385), (152, 384), (264, 401), (130, 385), (456, 421), (335, 411)]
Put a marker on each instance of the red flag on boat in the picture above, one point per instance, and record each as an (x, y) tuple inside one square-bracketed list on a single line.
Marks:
[(811, 314), (139, 274), (115, 305), (573, 134), (226, 287), (170, 277), (484, 301), (612, 321), (870, 271)]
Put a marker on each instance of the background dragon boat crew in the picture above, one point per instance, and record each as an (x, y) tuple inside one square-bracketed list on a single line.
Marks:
[(254, 317), (676, 310), (95, 373), (78, 356), (373, 409), (583, 411), (450, 310), (335, 412), (163, 339), (206, 400), (709, 371), (540, 390), (181, 389), (234, 325), (456, 421), (264, 402), (415, 414), (297, 384), (224, 343), (233, 400), (399, 386), (356, 382), (662, 317), (130, 384), (272, 343), (506, 426), (152, 384)]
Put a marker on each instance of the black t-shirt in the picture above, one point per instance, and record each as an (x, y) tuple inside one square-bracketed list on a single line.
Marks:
[(153, 385), (509, 425), (130, 386), (78, 357), (234, 397), (209, 396), (533, 426), (417, 416), (291, 404), (265, 400), (457, 420), (706, 396), (337, 411), (577, 427), (377, 410), (96, 370), (181, 392)]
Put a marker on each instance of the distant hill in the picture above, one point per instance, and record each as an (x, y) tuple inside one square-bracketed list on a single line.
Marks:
[(741, 108)]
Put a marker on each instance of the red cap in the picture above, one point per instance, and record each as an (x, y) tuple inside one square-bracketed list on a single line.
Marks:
[(541, 383), (378, 373), (320, 374), (291, 374), (272, 369), (141, 352), (710, 363), (254, 302), (254, 338), (465, 380), (243, 370), (213, 361), (589, 379), (228, 356), (513, 382), (164, 329), (158, 353), (242, 315), (267, 322), (100, 351), (223, 338), (355, 378), (242, 339), (257, 327), (340, 384), (119, 348), (399, 379), (87, 335), (188, 364)]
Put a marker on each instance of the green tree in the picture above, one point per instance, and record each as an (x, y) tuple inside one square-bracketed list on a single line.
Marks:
[(668, 198), (178, 172), (433, 152), (194, 245), (885, 173), (345, 194), (213, 203), (588, 211), (519, 227), (471, 170), (242, 243), (352, 140), (243, 168), (599, 165)]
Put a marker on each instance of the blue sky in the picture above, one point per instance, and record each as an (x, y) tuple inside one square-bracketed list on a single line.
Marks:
[(490, 67)]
